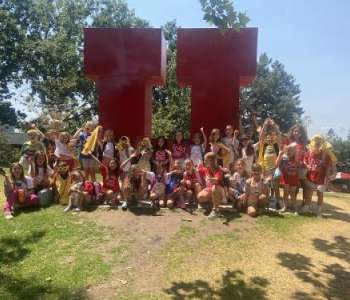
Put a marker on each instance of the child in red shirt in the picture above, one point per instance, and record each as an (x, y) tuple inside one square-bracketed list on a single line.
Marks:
[(287, 163), (190, 185), (110, 187), (320, 163)]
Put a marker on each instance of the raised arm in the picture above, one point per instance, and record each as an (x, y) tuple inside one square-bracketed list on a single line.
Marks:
[(205, 140)]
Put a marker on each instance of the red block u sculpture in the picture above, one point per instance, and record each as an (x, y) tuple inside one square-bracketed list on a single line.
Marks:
[(125, 63), (215, 64)]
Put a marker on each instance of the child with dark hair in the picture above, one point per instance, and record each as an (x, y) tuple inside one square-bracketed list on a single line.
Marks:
[(179, 149), (40, 172), (161, 157), (19, 190)]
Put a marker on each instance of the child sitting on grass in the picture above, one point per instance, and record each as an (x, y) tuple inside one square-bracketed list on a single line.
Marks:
[(110, 186), (256, 191), (190, 185), (237, 182), (19, 190), (40, 172), (173, 180)]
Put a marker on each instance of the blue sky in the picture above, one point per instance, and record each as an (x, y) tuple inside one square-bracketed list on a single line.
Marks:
[(310, 37)]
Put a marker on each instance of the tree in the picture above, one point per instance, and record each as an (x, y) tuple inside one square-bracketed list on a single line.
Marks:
[(51, 60), (8, 115), (341, 149), (274, 93), (172, 104), (221, 13), (11, 45)]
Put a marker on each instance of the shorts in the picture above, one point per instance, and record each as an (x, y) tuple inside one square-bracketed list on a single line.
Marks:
[(316, 187), (88, 163), (302, 172)]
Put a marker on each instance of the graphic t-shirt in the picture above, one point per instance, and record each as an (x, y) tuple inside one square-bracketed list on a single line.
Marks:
[(289, 170), (179, 151), (270, 157), (197, 154), (317, 165)]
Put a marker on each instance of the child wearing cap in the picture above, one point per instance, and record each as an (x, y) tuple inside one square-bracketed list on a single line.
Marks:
[(30, 147)]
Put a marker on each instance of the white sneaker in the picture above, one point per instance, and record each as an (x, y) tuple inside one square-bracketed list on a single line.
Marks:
[(213, 215), (67, 209), (319, 211), (8, 216), (305, 209)]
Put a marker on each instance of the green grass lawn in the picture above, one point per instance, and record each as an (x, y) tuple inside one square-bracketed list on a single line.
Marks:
[(48, 254)]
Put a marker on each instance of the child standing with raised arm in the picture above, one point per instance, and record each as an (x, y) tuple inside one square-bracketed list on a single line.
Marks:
[(231, 141), (219, 149)]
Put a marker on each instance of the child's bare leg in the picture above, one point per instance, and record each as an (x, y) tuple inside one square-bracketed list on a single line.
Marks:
[(319, 203), (252, 205), (286, 190), (188, 196), (293, 196), (217, 196)]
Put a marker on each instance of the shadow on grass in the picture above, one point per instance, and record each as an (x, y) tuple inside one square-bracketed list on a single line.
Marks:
[(13, 250), (340, 248), (337, 284), (335, 212), (16, 288), (231, 286)]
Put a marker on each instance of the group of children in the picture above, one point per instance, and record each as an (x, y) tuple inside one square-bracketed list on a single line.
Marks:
[(206, 173)]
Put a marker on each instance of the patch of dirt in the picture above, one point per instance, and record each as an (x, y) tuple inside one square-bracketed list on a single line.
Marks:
[(145, 234)]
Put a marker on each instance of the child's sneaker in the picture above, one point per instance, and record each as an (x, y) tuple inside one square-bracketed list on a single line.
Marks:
[(67, 209), (77, 209), (319, 211), (125, 205), (8, 216), (213, 215)]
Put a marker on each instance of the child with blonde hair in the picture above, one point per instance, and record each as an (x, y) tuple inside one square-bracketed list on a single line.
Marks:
[(31, 146), (320, 162), (256, 191)]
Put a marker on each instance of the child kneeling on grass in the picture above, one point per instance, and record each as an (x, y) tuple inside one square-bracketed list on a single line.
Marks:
[(256, 191), (18, 190)]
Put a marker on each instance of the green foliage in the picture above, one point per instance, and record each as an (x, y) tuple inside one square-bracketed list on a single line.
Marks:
[(342, 150), (172, 104), (274, 93), (221, 13), (50, 255), (8, 115), (50, 55), (8, 153)]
